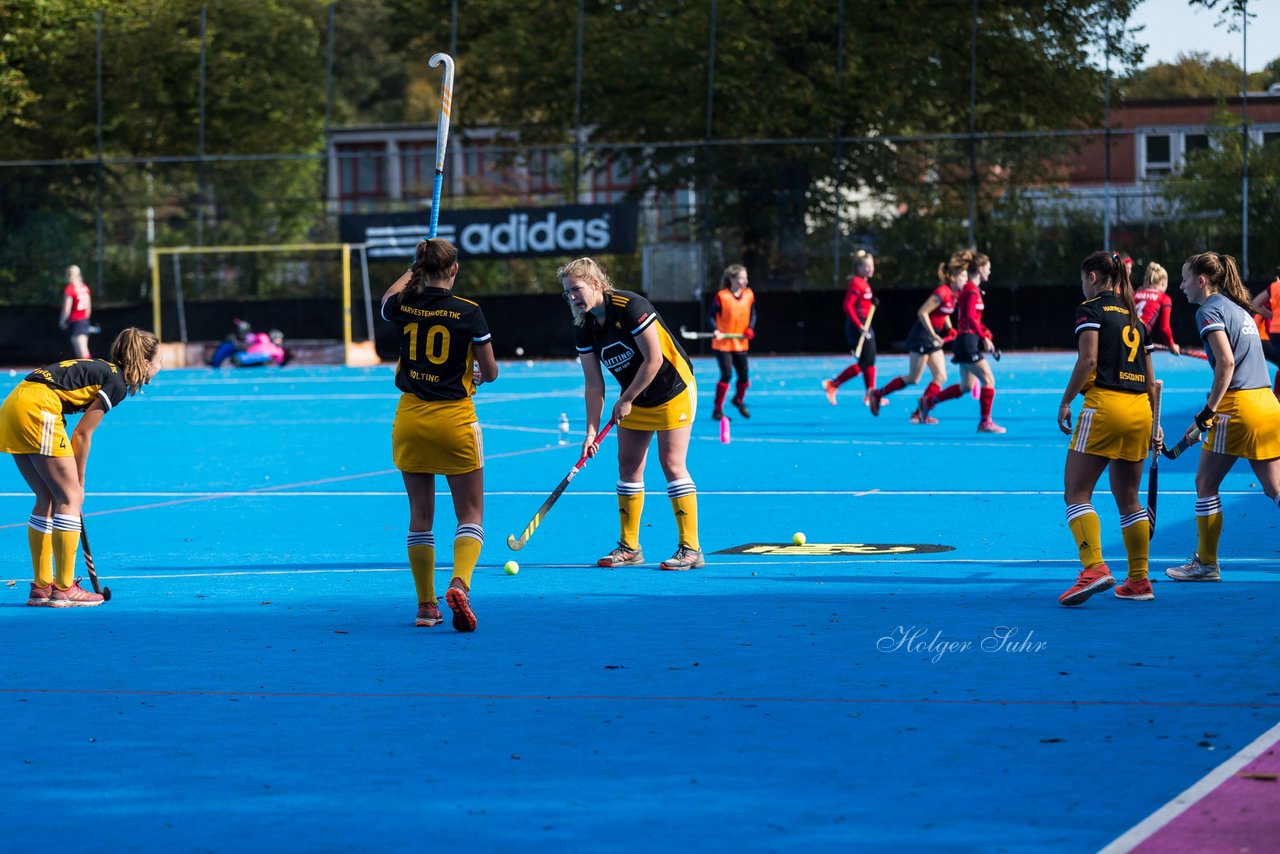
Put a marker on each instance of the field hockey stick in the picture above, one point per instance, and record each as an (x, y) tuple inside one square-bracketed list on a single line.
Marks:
[(866, 326), (1153, 472), (1195, 354), (88, 564), (1185, 442), (517, 543), (442, 134), (694, 336)]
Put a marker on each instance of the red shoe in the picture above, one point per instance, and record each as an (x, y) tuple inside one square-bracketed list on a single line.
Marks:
[(74, 596), (873, 401), (1137, 589), (464, 619), (41, 597), (428, 614), (1089, 582), (921, 415), (830, 388)]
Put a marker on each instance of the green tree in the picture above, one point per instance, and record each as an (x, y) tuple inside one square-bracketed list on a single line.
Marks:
[(1208, 197), (264, 93), (1195, 75)]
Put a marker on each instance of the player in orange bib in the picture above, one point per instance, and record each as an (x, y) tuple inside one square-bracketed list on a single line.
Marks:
[(1267, 306), (733, 313)]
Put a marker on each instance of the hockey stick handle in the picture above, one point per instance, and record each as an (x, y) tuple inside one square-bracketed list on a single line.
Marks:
[(866, 327), (516, 543)]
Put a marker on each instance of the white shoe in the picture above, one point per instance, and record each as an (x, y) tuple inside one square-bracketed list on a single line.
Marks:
[(1194, 570)]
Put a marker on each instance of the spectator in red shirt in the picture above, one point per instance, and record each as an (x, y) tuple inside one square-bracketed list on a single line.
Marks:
[(858, 303), (76, 309)]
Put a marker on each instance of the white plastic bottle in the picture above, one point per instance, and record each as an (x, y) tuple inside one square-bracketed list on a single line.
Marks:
[(564, 428)]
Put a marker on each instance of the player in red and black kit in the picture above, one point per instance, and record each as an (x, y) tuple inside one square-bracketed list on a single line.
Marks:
[(929, 334), (1154, 305), (858, 305), (972, 340)]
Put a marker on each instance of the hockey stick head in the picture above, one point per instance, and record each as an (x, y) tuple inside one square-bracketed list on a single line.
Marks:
[(515, 543)]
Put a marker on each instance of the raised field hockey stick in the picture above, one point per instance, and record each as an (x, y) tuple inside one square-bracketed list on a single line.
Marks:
[(517, 543), (862, 339), (1153, 472), (694, 336), (88, 564), (442, 134), (1185, 442)]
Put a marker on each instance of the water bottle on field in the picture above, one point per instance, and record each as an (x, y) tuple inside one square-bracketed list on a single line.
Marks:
[(564, 428)]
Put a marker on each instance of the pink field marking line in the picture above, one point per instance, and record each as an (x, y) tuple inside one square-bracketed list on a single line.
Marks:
[(1235, 807)]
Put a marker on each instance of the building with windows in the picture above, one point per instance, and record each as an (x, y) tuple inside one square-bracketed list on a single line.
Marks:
[(1152, 141)]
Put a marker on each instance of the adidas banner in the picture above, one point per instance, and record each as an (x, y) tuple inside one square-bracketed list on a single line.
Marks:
[(569, 230)]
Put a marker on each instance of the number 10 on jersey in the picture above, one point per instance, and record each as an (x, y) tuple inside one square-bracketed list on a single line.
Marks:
[(435, 343)]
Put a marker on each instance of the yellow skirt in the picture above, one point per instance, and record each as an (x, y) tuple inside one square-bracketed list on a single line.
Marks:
[(1114, 424), (677, 412), (436, 436), (31, 422), (1247, 424)]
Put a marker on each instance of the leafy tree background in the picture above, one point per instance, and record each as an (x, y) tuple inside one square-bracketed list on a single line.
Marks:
[(895, 90)]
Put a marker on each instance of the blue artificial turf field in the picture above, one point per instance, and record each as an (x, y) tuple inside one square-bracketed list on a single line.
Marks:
[(257, 683)]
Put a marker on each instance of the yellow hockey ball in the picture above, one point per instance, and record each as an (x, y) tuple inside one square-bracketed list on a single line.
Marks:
[(511, 567), (798, 538)]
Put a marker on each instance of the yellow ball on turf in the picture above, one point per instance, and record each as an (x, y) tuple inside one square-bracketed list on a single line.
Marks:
[(798, 538), (511, 567)]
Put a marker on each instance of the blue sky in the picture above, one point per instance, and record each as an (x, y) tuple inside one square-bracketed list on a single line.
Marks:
[(1174, 26)]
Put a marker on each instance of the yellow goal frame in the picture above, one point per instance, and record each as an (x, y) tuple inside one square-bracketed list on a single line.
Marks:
[(365, 355)]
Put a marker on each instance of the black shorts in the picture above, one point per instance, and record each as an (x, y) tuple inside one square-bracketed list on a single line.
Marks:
[(967, 349), (78, 327), (853, 333), (919, 341)]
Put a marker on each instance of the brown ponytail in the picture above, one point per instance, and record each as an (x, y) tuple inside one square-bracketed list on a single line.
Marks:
[(131, 350), (432, 262)]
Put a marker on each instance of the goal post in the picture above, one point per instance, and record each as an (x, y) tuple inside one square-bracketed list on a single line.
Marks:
[(230, 276)]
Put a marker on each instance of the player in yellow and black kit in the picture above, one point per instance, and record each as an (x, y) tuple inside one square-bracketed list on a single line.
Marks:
[(33, 429), (435, 430), (1113, 371), (621, 331)]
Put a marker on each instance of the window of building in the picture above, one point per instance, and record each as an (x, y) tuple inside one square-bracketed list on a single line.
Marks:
[(361, 173), (417, 168), (1270, 136), (1195, 142), (1158, 155)]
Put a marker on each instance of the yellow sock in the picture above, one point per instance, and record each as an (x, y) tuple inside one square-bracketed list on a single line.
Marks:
[(466, 551), (1209, 528), (684, 503), (1085, 527), (40, 539), (1136, 530), (66, 539), (630, 505), (422, 563)]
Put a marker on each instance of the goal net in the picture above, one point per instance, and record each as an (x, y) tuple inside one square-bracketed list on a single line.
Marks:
[(317, 292)]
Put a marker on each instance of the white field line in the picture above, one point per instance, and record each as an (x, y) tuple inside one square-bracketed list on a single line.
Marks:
[(288, 492), (1140, 832), (808, 561)]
